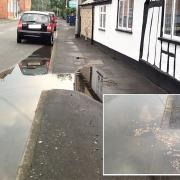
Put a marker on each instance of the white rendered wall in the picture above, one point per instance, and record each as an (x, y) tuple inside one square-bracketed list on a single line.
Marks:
[(155, 45), (127, 44)]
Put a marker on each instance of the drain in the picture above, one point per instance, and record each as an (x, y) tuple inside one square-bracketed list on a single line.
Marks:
[(78, 57)]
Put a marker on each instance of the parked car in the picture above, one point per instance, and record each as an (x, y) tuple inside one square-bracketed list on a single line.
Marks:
[(54, 19), (36, 24)]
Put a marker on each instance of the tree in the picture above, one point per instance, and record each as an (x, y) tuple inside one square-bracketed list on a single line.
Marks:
[(58, 6)]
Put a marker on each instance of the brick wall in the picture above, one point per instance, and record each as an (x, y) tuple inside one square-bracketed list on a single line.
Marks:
[(86, 21), (25, 5), (8, 10), (3, 9)]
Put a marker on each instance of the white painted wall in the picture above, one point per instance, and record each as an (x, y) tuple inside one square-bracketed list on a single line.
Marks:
[(127, 44), (155, 45)]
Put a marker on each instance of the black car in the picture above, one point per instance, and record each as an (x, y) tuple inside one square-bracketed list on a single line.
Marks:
[(36, 24)]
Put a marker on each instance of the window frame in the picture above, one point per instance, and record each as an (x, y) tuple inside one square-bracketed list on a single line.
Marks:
[(172, 35), (102, 21), (122, 28)]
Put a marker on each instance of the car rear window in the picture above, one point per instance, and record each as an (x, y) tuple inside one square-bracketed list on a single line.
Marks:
[(39, 18)]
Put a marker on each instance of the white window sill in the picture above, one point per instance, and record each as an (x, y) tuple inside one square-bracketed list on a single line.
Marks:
[(101, 29), (124, 30)]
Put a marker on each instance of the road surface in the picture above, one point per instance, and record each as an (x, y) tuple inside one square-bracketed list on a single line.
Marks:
[(10, 51)]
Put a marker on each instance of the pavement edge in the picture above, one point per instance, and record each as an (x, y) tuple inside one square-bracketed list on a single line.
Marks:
[(53, 53)]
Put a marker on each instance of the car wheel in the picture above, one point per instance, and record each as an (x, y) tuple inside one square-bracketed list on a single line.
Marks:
[(18, 39)]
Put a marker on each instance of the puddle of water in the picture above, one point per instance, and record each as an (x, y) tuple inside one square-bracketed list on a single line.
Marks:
[(133, 126), (90, 81), (19, 96), (20, 89)]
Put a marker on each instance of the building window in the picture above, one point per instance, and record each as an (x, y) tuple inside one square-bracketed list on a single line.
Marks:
[(177, 19), (102, 18), (125, 14), (172, 19)]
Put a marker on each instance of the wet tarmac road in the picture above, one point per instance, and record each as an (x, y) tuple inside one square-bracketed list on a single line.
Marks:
[(11, 52), (20, 89), (142, 134)]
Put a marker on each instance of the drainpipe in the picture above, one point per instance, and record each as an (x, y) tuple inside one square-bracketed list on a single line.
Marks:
[(92, 30)]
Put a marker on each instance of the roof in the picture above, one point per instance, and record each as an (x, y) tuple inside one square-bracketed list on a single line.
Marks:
[(95, 2), (36, 12), (50, 12)]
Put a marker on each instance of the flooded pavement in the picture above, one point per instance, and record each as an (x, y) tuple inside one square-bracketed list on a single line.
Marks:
[(142, 134), (89, 80), (20, 89)]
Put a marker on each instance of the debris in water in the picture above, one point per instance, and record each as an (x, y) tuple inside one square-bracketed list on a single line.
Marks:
[(141, 131), (170, 139), (176, 164)]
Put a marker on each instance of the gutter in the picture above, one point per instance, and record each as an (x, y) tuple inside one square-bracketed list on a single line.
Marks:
[(97, 3)]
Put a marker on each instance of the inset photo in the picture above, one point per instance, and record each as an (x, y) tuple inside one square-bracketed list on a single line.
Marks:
[(141, 134)]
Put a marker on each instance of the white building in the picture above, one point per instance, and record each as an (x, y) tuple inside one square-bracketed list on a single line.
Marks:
[(146, 32)]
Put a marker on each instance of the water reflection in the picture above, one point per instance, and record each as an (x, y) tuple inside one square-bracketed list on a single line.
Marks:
[(143, 137), (89, 81), (34, 67), (19, 96)]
